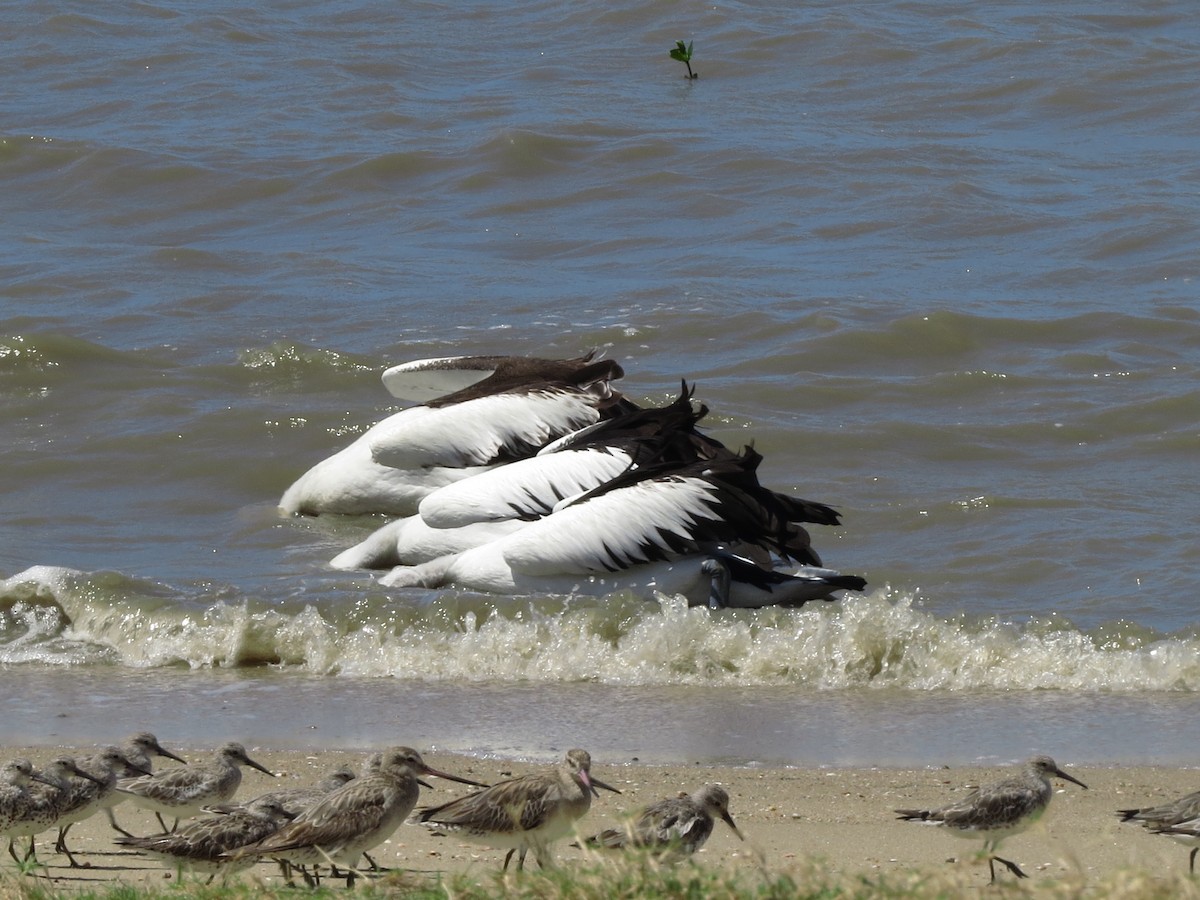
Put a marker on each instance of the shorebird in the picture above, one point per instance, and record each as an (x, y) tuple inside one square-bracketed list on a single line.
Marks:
[(1178, 820), (1186, 833), (184, 791), (15, 800), (205, 845), (522, 814), (494, 410), (998, 810), (675, 827), (139, 750), (93, 789), (47, 802), (352, 819), (293, 800)]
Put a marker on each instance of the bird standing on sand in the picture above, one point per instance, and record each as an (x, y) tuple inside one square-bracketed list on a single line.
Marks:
[(47, 802), (15, 799), (352, 819), (293, 800), (675, 827), (1178, 820), (139, 750), (526, 813), (204, 845), (94, 789), (184, 791), (998, 810)]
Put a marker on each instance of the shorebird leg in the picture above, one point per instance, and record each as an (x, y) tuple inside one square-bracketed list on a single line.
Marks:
[(112, 820), (13, 853), (309, 880), (70, 858), (1012, 866), (1192, 860), (374, 865), (718, 573), (520, 859)]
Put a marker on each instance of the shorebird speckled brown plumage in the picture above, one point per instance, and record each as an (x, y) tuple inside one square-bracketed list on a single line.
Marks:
[(47, 802), (675, 827), (15, 799), (92, 788), (139, 750), (998, 810), (352, 819), (205, 844), (1178, 820), (523, 814), (184, 791)]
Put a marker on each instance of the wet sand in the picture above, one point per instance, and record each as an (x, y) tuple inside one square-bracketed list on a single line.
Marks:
[(840, 817)]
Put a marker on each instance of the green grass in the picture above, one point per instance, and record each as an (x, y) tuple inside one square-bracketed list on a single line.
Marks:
[(642, 878)]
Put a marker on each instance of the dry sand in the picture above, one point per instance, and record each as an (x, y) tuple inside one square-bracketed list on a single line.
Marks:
[(842, 817)]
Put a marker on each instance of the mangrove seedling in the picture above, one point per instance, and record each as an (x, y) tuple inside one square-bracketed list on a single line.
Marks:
[(683, 53)]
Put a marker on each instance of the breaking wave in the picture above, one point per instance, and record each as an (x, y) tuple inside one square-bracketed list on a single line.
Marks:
[(65, 617)]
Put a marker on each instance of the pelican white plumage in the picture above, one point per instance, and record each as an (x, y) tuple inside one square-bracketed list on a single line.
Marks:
[(703, 530), (574, 464), (495, 503), (497, 409)]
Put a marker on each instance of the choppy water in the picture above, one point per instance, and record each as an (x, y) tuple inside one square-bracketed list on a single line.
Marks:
[(938, 263)]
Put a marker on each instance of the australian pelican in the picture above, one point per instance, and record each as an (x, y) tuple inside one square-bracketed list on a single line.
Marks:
[(707, 530), (494, 410), (496, 502)]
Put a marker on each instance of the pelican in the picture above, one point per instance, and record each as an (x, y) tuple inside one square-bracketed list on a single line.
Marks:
[(706, 530), (495, 503), (497, 409)]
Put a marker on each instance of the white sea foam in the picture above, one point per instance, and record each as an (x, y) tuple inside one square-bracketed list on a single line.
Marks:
[(881, 640)]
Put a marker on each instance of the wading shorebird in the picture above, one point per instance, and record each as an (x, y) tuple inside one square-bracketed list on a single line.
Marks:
[(205, 844), (523, 814), (139, 750), (91, 789), (1178, 820), (675, 827), (15, 800), (294, 800), (49, 801), (998, 810), (352, 819), (184, 791)]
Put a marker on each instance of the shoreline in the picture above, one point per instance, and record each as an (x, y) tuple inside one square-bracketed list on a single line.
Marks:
[(840, 817)]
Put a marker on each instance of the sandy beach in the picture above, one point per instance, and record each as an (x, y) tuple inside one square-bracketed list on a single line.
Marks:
[(841, 817)]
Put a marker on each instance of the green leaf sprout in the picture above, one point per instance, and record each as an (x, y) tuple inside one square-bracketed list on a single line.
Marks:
[(683, 53)]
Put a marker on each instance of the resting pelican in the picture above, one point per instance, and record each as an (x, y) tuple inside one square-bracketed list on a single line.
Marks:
[(706, 530), (498, 502), (499, 409)]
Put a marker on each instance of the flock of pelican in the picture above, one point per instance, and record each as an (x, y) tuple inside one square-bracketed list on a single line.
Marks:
[(515, 475)]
